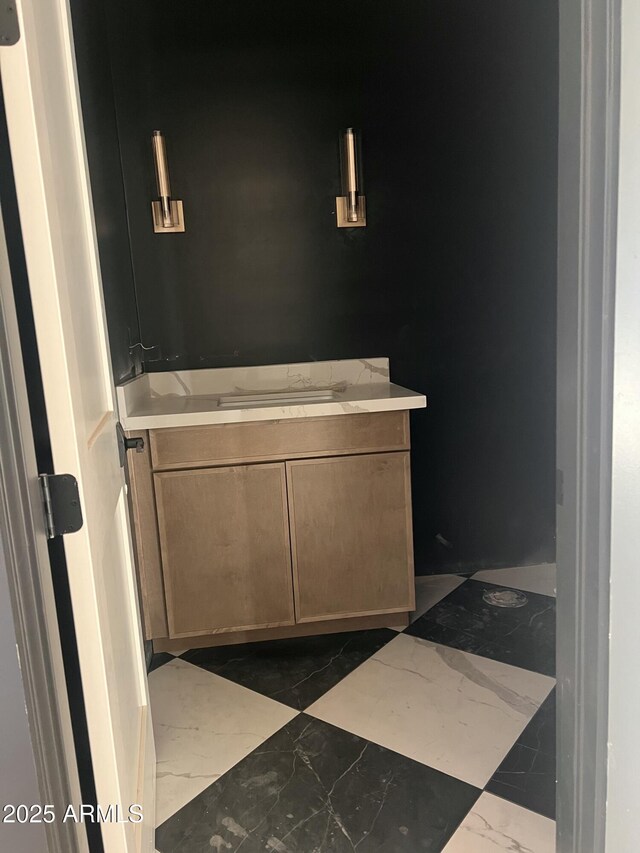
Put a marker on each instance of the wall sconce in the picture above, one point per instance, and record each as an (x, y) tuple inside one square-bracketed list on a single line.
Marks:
[(168, 216), (351, 207)]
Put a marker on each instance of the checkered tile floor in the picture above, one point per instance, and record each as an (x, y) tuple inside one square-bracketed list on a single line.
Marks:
[(439, 737)]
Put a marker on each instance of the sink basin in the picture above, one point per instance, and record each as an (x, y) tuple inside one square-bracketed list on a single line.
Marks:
[(275, 398)]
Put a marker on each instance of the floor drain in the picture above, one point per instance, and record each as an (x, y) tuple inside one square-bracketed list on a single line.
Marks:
[(505, 598)]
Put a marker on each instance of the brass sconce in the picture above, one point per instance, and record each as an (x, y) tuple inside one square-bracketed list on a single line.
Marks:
[(168, 216), (351, 207)]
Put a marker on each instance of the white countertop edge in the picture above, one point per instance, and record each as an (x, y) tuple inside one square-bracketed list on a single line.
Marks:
[(272, 413)]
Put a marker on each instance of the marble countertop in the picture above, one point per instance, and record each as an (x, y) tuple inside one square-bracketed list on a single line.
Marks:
[(270, 392)]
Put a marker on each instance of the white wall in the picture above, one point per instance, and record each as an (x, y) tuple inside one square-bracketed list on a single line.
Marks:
[(623, 795)]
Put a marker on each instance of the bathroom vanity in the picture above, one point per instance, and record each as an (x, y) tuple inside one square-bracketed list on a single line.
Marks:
[(270, 501)]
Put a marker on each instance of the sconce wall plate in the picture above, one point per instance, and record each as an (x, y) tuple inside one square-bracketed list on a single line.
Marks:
[(177, 217), (341, 212), (350, 206), (168, 215)]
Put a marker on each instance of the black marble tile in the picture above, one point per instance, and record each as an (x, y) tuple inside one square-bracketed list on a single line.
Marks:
[(313, 787), (527, 775), (446, 636), (297, 671), (521, 636), (540, 733), (159, 659)]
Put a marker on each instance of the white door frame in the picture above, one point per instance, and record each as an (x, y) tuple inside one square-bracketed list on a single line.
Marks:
[(624, 645), (588, 185), (51, 174), (37, 639)]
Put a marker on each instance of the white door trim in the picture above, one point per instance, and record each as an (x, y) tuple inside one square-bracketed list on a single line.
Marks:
[(45, 128)]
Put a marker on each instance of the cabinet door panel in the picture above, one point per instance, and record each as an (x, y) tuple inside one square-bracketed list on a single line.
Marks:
[(351, 535), (226, 557)]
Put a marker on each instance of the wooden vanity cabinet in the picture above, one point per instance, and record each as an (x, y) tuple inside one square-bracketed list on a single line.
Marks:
[(351, 535), (273, 529), (224, 540)]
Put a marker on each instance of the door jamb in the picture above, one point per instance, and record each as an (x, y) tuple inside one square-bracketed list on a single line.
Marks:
[(587, 202), (31, 588)]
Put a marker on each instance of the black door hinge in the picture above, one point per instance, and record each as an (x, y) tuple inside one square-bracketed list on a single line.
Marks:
[(9, 25), (62, 510)]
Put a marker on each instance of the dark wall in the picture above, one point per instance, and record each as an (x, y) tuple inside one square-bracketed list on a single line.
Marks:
[(454, 276), (103, 151)]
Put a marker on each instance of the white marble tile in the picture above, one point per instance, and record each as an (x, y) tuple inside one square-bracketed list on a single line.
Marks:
[(429, 591), (192, 397), (161, 412), (494, 824), (271, 377), (203, 725), (541, 578), (456, 712), (212, 382)]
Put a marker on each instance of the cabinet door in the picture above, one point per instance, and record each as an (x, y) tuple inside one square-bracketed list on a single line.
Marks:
[(351, 535), (226, 558)]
